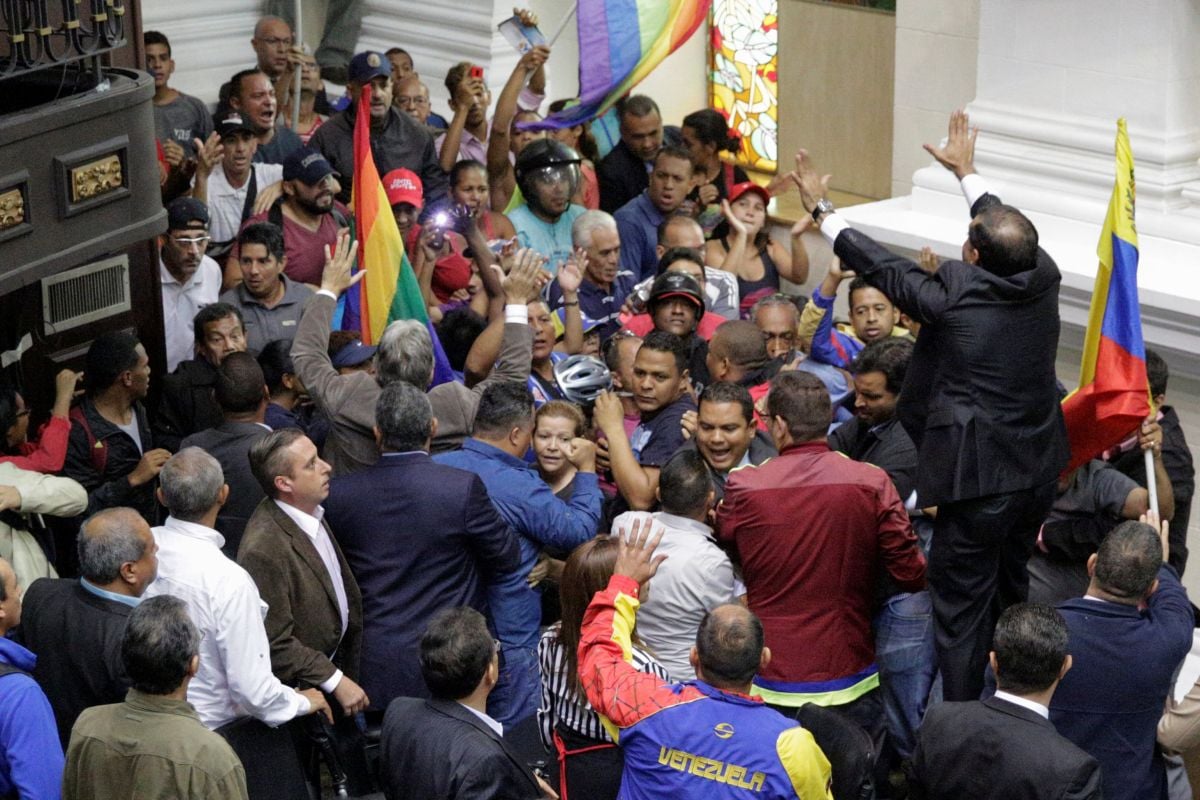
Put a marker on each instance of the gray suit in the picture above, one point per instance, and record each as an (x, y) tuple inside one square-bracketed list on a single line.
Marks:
[(349, 400), (229, 443)]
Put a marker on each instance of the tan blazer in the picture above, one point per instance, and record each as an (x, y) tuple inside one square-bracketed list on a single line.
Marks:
[(303, 622), (349, 400)]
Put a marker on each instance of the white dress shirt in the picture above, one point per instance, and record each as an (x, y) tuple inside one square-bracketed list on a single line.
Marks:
[(235, 678), (696, 577), (319, 534), (1036, 708), (491, 723), (181, 302)]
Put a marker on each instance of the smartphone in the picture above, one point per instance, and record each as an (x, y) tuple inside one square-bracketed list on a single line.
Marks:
[(477, 72), (522, 37)]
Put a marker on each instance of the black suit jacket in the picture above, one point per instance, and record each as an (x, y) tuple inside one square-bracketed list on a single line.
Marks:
[(77, 638), (889, 447), (303, 621), (997, 749), (980, 399), (229, 443), (622, 176), (419, 537), (187, 404), (439, 749)]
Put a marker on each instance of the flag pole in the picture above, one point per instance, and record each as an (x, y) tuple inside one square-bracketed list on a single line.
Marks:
[(562, 26), (297, 39), (1151, 483)]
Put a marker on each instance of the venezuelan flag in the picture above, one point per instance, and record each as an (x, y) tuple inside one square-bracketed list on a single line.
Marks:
[(390, 291), (620, 43), (1113, 395)]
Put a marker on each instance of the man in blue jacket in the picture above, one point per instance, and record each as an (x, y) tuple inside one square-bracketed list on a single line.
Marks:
[(1125, 658), (501, 436), (31, 759)]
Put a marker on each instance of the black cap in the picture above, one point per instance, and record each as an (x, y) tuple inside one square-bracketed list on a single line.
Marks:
[(307, 166), (232, 124), (186, 212), (676, 284)]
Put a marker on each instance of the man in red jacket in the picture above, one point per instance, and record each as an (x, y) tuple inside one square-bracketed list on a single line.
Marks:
[(811, 527)]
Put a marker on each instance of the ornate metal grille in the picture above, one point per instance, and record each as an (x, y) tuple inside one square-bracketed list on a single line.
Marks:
[(36, 34)]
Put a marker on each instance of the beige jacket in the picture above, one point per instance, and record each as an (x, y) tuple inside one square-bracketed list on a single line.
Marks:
[(40, 494)]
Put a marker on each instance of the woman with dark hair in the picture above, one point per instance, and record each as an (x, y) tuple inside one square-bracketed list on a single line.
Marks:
[(706, 136), (469, 187), (48, 453), (589, 763), (579, 137)]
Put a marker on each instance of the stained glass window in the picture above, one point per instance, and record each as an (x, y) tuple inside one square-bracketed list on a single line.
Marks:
[(743, 68)]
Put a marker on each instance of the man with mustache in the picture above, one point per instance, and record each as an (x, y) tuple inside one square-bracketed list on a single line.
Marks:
[(397, 140), (308, 214)]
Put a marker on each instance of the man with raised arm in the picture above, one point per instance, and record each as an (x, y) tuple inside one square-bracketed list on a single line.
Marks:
[(985, 418)]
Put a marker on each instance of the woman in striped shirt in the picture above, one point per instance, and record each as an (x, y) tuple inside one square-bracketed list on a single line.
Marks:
[(589, 763)]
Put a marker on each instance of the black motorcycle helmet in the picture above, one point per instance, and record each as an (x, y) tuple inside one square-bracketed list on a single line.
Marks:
[(676, 284), (546, 160)]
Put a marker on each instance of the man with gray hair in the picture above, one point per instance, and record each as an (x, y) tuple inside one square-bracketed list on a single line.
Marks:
[(419, 537), (605, 284), (175, 755), (234, 680), (405, 353), (75, 625)]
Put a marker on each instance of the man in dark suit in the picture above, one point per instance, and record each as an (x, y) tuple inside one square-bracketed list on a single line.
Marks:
[(314, 607), (418, 536), (980, 401), (76, 626), (447, 746), (1125, 658), (624, 173), (242, 395), (1005, 747)]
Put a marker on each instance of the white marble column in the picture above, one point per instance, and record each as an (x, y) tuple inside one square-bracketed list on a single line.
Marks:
[(1053, 76)]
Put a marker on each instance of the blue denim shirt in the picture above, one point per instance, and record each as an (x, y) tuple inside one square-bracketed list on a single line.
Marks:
[(526, 503), (637, 222)]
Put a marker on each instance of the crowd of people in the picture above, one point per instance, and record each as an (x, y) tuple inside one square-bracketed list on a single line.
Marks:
[(627, 520)]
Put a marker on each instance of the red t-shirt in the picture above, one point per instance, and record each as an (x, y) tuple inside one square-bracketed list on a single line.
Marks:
[(642, 324), (305, 249)]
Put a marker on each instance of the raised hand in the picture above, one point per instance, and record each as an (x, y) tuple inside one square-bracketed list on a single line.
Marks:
[(523, 281), (172, 152), (958, 153), (336, 277), (928, 261), (812, 185), (609, 415), (570, 274), (208, 153), (635, 550), (736, 225)]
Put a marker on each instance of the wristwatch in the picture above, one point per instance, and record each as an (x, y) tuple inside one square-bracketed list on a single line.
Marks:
[(823, 206)]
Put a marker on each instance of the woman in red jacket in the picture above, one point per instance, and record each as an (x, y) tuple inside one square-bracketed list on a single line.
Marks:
[(46, 455)]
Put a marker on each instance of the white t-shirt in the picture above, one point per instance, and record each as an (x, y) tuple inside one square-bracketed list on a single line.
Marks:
[(180, 304), (225, 203)]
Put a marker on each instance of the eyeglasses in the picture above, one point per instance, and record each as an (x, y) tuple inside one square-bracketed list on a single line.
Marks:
[(188, 242), (275, 41), (404, 101)]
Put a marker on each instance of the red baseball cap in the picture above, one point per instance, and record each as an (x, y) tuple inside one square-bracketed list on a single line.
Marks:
[(749, 186), (403, 186)]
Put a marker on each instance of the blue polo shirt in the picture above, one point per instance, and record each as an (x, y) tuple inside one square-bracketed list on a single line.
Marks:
[(637, 222), (530, 508)]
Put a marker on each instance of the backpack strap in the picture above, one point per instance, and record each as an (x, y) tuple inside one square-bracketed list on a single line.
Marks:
[(98, 449)]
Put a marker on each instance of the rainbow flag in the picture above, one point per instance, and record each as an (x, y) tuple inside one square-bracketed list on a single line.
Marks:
[(620, 43), (1113, 395), (389, 291)]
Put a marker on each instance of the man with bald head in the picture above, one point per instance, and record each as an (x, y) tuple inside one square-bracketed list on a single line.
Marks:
[(411, 96), (720, 285), (75, 625), (738, 354), (703, 738)]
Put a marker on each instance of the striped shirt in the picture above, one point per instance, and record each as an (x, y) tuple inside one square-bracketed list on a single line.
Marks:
[(570, 709)]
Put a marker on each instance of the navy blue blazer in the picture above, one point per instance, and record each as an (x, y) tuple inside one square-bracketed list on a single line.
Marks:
[(980, 399), (419, 537), (1110, 702)]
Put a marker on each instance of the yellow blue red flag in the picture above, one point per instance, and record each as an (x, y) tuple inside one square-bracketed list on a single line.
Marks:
[(1113, 396)]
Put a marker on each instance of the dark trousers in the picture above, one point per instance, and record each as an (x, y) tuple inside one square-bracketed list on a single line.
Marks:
[(268, 755), (976, 570)]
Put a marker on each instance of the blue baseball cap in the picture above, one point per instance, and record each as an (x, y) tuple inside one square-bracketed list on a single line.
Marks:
[(307, 166), (365, 66)]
